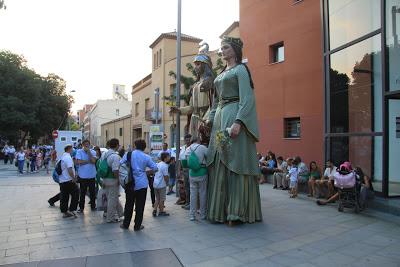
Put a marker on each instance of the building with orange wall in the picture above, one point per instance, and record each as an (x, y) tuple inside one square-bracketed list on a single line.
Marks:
[(282, 42), (327, 81)]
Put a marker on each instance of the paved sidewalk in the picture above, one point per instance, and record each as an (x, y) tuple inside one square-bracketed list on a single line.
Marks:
[(295, 232), (159, 257)]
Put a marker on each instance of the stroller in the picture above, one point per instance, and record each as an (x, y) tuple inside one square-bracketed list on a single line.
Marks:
[(345, 180)]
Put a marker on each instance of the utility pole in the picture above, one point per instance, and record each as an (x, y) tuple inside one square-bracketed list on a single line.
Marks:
[(395, 10), (157, 103), (178, 79)]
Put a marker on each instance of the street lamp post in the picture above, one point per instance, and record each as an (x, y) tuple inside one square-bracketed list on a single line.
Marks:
[(157, 103), (178, 79)]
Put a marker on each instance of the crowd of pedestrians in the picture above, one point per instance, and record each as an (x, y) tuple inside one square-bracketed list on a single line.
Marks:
[(80, 178), (8, 154), (86, 169), (292, 173), (34, 158)]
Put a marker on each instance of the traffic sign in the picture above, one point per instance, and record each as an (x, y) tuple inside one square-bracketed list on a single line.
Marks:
[(55, 134)]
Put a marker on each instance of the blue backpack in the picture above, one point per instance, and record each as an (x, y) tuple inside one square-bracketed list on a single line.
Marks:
[(55, 176), (58, 168)]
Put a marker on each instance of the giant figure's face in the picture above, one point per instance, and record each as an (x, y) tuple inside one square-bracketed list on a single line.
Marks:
[(199, 68), (227, 51)]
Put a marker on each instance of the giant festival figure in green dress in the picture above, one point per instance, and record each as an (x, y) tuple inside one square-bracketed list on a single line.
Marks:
[(233, 192)]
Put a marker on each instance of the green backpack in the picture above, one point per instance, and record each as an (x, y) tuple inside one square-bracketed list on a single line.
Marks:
[(193, 161), (195, 168), (103, 170)]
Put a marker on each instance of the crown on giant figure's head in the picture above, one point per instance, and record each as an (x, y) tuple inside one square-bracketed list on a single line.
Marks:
[(232, 41)]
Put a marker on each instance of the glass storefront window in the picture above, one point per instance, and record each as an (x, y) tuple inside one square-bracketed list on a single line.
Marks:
[(356, 88), (394, 146), (362, 151), (351, 19), (392, 42)]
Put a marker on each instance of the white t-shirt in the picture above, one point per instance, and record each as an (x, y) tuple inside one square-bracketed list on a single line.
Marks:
[(113, 159), (283, 166), (159, 181), (164, 151), (330, 172), (21, 156), (182, 153), (200, 151), (66, 162), (293, 174)]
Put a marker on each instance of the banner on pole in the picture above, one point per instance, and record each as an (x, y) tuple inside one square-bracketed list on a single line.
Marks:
[(156, 139)]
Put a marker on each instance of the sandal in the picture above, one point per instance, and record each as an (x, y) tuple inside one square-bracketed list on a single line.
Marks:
[(320, 203)]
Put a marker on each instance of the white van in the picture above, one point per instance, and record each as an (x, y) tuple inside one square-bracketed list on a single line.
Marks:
[(66, 138)]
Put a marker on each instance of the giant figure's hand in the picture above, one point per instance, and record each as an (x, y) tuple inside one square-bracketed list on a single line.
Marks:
[(235, 130), (174, 110)]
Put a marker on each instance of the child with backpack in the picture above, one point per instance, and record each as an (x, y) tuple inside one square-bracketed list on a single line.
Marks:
[(196, 161), (160, 184)]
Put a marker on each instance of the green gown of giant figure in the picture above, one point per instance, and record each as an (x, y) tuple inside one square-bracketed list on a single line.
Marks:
[(233, 192)]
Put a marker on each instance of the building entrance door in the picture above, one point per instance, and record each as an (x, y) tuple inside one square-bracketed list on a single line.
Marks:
[(394, 146), (137, 134)]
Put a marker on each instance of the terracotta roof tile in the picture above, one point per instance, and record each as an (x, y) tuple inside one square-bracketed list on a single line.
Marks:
[(172, 35)]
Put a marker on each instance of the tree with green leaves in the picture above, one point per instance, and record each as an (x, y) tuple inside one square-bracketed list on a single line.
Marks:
[(2, 5), (30, 105)]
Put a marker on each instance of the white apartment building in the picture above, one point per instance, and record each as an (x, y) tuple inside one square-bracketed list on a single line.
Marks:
[(84, 113), (104, 111), (119, 92)]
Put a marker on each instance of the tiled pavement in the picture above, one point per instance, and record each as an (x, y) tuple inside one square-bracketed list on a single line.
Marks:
[(295, 232), (159, 257)]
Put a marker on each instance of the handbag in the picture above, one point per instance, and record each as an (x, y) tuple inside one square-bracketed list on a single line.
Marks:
[(102, 200), (125, 173)]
